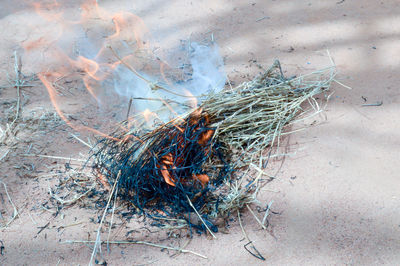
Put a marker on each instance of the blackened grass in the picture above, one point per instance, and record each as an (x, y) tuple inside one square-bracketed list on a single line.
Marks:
[(193, 159)]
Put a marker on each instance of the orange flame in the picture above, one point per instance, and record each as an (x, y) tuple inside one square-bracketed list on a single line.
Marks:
[(203, 178), (128, 23), (53, 98), (147, 114), (170, 161), (104, 182), (124, 26), (47, 10)]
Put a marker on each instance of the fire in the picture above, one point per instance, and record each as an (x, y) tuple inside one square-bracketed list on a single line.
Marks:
[(167, 177), (118, 30), (97, 66), (48, 10), (147, 114), (53, 97), (126, 27), (168, 161), (126, 24), (204, 179), (103, 180), (175, 161), (91, 67)]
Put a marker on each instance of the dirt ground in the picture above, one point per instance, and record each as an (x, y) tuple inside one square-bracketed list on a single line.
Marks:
[(337, 192)]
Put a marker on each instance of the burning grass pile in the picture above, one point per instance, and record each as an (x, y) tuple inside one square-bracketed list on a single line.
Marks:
[(183, 173)]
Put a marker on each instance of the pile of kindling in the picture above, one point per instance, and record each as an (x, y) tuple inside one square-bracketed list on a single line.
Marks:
[(186, 168)]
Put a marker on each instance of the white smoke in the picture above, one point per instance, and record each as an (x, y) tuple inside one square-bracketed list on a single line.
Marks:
[(207, 75)]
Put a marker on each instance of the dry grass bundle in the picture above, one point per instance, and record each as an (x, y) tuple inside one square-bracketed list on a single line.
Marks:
[(186, 165), (164, 172), (252, 116)]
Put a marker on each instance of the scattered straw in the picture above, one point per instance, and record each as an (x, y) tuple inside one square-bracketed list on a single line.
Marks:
[(98, 241), (267, 212), (257, 254), (138, 243), (83, 142), (201, 219), (71, 201), (54, 157), (18, 82), (15, 213), (255, 217)]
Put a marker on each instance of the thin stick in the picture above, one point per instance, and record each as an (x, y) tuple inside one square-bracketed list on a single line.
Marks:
[(129, 66), (258, 255), (70, 225), (341, 84), (267, 211), (17, 69), (241, 226), (54, 157), (15, 214), (30, 216), (129, 108), (255, 217), (71, 201), (137, 243), (152, 85), (201, 219), (373, 104), (96, 243), (180, 252), (4, 155), (17, 85), (112, 219), (83, 142), (262, 18)]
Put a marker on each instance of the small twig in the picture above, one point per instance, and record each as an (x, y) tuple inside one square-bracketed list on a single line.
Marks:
[(70, 225), (42, 228), (112, 219), (241, 226), (137, 243), (201, 218), (96, 243), (183, 247), (71, 201), (260, 171), (262, 18), (129, 66), (18, 83), (12, 86), (258, 255), (47, 210), (16, 213), (267, 212), (83, 142), (129, 108), (255, 217), (152, 85), (156, 99), (373, 104), (30, 216), (53, 157), (341, 84), (4, 155)]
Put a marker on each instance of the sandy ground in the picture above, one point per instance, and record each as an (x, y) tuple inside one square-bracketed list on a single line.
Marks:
[(338, 191)]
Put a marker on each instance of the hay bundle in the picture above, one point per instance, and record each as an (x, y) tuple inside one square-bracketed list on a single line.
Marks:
[(186, 165)]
